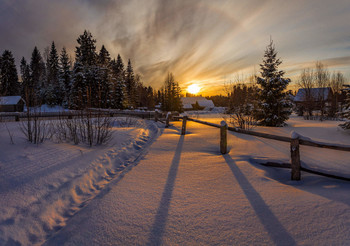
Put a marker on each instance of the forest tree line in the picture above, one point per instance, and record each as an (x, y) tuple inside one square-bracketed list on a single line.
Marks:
[(92, 79)]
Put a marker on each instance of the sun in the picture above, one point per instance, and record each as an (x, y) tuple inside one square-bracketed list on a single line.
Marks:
[(193, 89)]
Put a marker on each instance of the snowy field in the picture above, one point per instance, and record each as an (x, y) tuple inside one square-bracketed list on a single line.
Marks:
[(181, 192), (41, 186)]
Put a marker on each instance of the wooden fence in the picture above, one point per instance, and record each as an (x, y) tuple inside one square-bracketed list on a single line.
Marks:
[(17, 116), (295, 142)]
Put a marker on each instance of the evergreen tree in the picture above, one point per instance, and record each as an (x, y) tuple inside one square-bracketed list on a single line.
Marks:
[(37, 77), (130, 86), (346, 113), (54, 89), (118, 81), (65, 75), (9, 85), (272, 109), (105, 78), (172, 93), (26, 80), (85, 73)]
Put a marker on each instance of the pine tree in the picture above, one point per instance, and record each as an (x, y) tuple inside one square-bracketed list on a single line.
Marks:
[(346, 113), (105, 78), (25, 75), (85, 73), (272, 108), (118, 81), (9, 85), (65, 75), (37, 79), (130, 85), (54, 93)]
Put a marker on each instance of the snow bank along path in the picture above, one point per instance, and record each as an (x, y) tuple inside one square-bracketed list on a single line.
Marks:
[(184, 192), (43, 186)]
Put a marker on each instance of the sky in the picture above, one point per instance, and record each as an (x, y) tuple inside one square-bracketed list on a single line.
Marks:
[(204, 42)]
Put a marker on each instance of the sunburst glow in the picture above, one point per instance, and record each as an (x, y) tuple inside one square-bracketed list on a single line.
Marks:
[(193, 89)]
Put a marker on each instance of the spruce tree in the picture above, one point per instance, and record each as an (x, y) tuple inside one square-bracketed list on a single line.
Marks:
[(118, 81), (9, 85), (26, 80), (54, 89), (272, 108), (346, 113), (65, 75), (105, 78), (130, 84), (85, 73), (37, 79)]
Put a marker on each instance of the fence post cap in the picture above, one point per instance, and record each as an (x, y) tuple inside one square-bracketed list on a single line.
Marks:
[(223, 123), (295, 135)]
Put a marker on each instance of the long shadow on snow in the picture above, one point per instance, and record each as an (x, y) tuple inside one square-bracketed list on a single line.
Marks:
[(158, 228), (274, 228), (329, 188)]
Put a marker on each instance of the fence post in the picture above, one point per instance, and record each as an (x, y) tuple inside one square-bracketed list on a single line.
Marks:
[(184, 121), (16, 117), (295, 157), (223, 137), (156, 115), (168, 116)]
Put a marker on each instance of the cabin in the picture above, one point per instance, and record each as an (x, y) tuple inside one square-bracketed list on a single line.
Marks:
[(11, 104), (313, 99), (197, 103)]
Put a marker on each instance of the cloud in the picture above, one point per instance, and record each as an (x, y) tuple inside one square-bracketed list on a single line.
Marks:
[(197, 40)]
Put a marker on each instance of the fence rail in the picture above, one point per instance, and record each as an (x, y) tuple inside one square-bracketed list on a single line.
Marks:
[(295, 141)]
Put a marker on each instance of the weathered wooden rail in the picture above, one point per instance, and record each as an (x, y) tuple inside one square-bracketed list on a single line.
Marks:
[(295, 141), (17, 116)]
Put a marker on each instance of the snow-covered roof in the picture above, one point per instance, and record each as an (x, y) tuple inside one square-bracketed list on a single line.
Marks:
[(316, 93), (203, 102), (10, 100)]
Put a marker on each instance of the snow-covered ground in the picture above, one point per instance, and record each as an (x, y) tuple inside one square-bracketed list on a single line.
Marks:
[(41, 186), (182, 192)]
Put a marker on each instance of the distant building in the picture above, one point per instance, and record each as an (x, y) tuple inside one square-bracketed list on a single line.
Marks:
[(197, 103), (11, 104), (313, 99)]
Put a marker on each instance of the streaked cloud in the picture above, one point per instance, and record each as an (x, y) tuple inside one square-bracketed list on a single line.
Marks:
[(198, 40)]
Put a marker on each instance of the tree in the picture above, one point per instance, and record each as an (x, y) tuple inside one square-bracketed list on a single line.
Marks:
[(9, 85), (65, 75), (172, 93), (272, 109), (322, 78), (336, 83), (346, 112), (26, 80), (307, 83), (37, 79), (130, 86), (85, 73), (54, 93), (118, 83), (105, 81)]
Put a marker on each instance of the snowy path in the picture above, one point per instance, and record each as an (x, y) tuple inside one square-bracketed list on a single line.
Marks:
[(183, 192)]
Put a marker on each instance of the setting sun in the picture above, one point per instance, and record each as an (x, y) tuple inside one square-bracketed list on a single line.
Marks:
[(193, 89)]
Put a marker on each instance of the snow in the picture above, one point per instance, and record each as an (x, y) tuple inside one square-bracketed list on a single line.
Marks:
[(202, 102), (43, 186), (177, 191), (10, 100)]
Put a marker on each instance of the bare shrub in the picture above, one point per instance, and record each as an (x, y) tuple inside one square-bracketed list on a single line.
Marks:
[(34, 129), (92, 128)]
